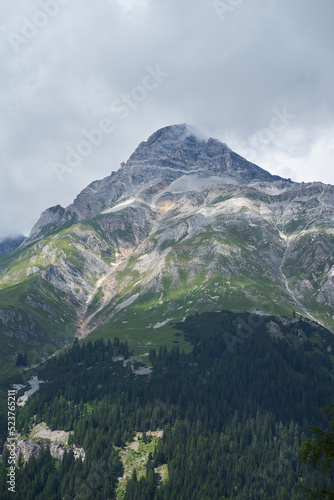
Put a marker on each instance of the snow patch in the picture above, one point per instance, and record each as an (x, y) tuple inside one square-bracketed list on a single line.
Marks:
[(194, 182), (18, 387), (159, 325), (34, 384), (121, 205), (126, 302)]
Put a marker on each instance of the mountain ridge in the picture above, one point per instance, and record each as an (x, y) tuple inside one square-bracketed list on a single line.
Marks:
[(171, 149), (184, 226)]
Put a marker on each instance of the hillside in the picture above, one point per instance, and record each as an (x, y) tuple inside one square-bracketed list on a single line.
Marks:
[(230, 415), (186, 225)]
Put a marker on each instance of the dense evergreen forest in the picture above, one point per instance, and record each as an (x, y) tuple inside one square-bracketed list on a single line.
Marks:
[(234, 412)]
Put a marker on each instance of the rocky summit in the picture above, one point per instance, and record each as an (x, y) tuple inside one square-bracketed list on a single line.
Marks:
[(184, 226)]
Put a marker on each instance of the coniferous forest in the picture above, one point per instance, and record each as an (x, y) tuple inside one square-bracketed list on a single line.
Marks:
[(234, 411)]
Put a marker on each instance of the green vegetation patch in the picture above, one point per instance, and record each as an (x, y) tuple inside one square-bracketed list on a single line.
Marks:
[(135, 455)]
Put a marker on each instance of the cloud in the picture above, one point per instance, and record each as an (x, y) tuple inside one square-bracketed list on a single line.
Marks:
[(64, 63)]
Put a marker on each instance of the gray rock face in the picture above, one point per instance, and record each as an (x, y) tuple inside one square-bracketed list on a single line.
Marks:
[(50, 220), (186, 225), (178, 148), (168, 154), (27, 447)]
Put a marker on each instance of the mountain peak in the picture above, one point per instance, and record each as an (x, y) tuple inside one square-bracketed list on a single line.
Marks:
[(180, 147), (169, 153), (176, 133), (166, 141), (186, 149)]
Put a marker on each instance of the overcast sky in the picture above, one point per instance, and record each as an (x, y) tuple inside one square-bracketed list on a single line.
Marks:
[(82, 83)]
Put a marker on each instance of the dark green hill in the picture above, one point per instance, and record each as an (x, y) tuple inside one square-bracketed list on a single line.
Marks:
[(234, 411)]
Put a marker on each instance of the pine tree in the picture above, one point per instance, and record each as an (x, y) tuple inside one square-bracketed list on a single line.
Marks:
[(320, 452)]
